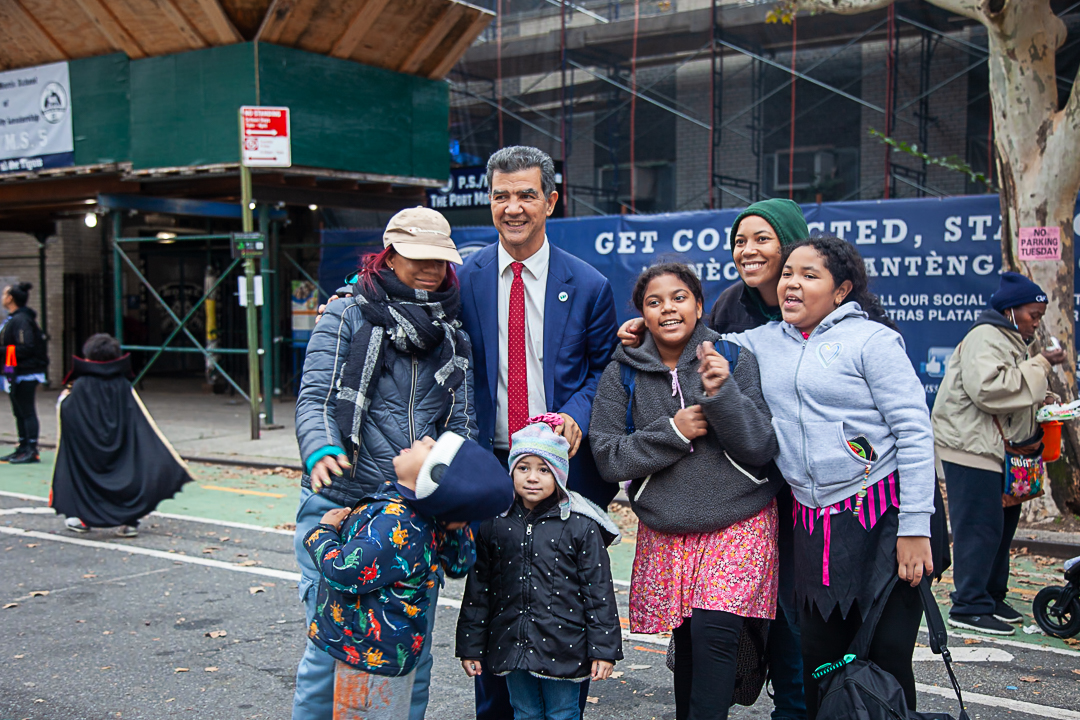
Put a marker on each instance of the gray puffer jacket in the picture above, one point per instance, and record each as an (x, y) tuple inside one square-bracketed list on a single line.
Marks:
[(675, 490), (407, 404)]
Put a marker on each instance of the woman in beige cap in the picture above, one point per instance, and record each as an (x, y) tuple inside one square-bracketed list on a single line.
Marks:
[(386, 366)]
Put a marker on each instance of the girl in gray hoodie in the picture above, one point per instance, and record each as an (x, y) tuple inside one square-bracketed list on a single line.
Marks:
[(857, 449), (706, 553)]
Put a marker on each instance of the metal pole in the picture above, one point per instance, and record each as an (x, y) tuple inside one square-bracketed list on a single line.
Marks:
[(118, 280), (266, 344), (249, 274)]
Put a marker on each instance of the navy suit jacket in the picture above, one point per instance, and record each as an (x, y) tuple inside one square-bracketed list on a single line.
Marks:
[(579, 337)]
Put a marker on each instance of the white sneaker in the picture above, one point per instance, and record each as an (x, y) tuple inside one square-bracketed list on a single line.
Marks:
[(127, 531), (74, 524)]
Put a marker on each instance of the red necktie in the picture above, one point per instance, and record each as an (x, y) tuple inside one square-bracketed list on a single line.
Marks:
[(517, 380)]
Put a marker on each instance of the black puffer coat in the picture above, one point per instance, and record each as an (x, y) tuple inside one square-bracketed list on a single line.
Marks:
[(22, 331), (540, 596), (406, 405)]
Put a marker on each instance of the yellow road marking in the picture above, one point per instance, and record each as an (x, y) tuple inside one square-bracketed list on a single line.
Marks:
[(242, 492)]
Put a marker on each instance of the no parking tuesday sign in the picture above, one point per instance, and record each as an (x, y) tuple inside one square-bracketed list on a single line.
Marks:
[(265, 140)]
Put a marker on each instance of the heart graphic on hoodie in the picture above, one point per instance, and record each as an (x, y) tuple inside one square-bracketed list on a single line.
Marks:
[(827, 352)]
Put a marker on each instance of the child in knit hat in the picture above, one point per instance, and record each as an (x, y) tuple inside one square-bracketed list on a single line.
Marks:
[(379, 560), (544, 559)]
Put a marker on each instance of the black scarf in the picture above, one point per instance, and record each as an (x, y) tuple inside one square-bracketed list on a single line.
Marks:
[(402, 320)]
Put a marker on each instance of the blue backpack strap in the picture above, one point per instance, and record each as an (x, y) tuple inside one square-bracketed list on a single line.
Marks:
[(730, 351), (628, 377)]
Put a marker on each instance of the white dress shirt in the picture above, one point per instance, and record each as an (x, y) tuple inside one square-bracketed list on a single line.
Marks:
[(534, 275)]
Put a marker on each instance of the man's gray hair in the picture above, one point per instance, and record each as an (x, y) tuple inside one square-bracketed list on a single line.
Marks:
[(522, 157)]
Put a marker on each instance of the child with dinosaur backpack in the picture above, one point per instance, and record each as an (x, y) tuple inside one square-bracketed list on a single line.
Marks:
[(378, 560)]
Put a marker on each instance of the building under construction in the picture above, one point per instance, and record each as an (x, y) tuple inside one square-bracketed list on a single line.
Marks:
[(674, 105)]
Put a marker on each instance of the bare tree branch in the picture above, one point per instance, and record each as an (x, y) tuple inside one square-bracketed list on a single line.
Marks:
[(967, 8)]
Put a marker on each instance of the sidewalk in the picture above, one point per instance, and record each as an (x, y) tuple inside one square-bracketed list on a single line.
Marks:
[(198, 424)]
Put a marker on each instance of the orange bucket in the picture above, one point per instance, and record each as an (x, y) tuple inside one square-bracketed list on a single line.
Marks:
[(1051, 440)]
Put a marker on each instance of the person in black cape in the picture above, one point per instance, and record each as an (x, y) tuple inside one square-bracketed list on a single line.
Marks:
[(113, 465)]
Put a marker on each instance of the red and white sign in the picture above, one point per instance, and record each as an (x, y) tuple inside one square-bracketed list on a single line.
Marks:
[(265, 140)]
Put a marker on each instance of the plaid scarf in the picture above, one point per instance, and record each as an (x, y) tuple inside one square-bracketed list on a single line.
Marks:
[(398, 319)]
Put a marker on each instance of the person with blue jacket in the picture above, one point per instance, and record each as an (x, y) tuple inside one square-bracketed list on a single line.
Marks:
[(384, 368), (857, 449)]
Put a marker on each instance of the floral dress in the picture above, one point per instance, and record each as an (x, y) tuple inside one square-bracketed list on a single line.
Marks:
[(733, 570)]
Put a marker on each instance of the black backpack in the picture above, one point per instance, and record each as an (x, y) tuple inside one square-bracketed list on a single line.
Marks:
[(855, 688)]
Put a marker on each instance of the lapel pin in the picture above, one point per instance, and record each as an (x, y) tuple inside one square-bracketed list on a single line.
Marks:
[(563, 296)]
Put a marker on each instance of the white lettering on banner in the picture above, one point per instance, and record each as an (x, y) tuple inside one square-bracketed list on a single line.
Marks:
[(731, 272), (679, 243), (626, 243), (605, 243), (815, 227), (895, 231), (980, 223), (648, 237), (839, 228), (954, 265), (952, 229), (36, 119), (983, 264), (712, 270), (866, 234), (712, 243)]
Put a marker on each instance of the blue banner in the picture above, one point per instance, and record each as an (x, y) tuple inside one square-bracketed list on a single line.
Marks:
[(934, 262)]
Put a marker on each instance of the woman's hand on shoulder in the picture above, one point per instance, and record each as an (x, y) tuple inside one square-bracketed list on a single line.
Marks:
[(714, 368), (322, 308), (691, 422), (632, 332), (913, 559)]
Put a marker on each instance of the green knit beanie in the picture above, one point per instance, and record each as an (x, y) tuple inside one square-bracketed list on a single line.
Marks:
[(788, 222), (784, 215)]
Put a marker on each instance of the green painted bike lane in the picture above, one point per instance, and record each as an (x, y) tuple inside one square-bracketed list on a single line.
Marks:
[(268, 498)]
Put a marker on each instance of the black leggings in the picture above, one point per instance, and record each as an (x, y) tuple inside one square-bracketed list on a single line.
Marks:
[(706, 654), (25, 411), (825, 641)]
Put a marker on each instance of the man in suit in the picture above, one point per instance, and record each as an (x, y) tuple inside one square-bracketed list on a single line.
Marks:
[(542, 324)]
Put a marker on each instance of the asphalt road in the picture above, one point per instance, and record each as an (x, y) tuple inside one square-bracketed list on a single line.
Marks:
[(201, 619)]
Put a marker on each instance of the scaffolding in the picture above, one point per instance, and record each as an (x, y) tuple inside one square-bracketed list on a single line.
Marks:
[(578, 77)]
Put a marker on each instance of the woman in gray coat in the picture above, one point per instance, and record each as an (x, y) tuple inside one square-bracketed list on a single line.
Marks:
[(386, 366)]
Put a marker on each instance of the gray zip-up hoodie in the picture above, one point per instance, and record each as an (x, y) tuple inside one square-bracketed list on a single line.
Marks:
[(850, 378)]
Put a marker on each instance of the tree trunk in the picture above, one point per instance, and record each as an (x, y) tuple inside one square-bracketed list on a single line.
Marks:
[(1038, 189)]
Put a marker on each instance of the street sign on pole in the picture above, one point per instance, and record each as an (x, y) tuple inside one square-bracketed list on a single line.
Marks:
[(265, 140)]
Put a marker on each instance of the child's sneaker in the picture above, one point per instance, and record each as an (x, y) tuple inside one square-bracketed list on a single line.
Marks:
[(127, 531), (76, 525)]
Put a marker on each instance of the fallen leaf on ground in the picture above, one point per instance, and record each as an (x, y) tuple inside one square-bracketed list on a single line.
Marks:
[(593, 700), (89, 575), (1029, 678), (33, 545), (216, 633), (972, 641), (180, 670), (248, 563), (11, 605), (107, 632), (638, 667), (19, 657), (39, 593), (619, 673), (106, 667), (256, 589), (1072, 641), (1076, 671), (210, 669)]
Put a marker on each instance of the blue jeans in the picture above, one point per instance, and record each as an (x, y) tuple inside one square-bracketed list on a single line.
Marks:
[(314, 695), (534, 698)]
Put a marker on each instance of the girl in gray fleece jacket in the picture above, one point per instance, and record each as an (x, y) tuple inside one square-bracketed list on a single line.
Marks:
[(857, 449), (706, 548)]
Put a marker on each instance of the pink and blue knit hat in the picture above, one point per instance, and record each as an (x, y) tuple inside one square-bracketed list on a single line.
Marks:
[(538, 438)]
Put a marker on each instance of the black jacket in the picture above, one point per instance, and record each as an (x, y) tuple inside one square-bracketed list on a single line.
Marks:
[(22, 331), (736, 311), (540, 596)]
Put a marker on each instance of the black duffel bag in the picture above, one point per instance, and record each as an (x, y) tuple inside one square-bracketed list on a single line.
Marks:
[(853, 688)]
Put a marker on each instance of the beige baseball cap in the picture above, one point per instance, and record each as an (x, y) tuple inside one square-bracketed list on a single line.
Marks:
[(421, 233)]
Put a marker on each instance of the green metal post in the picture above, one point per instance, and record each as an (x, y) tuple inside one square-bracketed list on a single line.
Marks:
[(249, 273), (267, 344), (118, 279)]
